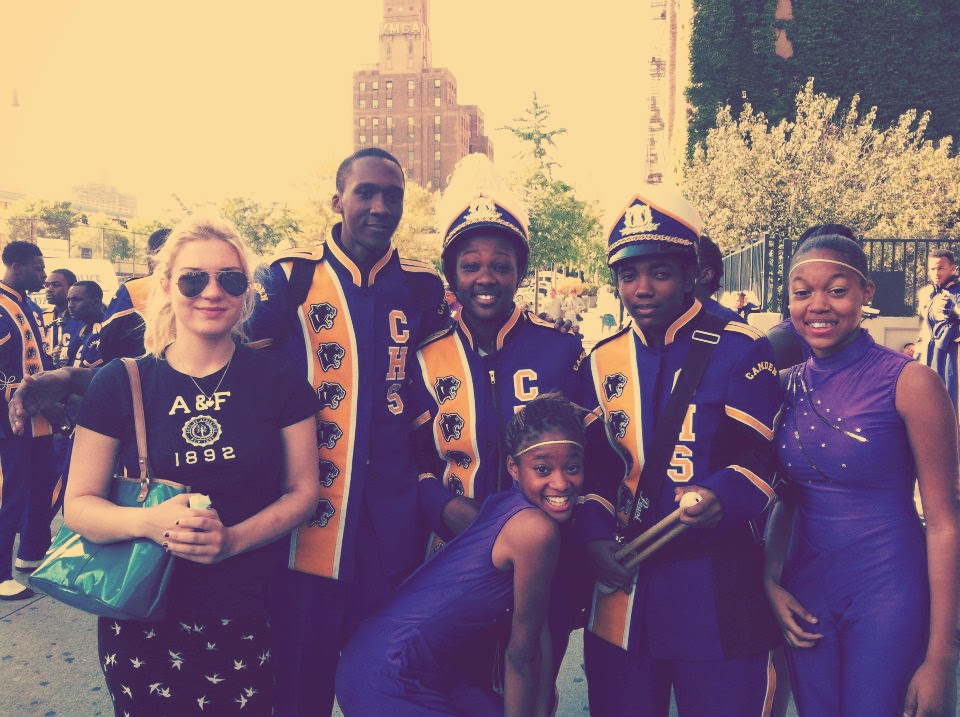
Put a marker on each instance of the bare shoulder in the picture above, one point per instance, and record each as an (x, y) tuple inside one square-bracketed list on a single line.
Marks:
[(532, 529), (920, 391)]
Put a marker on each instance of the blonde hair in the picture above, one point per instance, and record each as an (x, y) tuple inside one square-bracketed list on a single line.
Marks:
[(161, 328)]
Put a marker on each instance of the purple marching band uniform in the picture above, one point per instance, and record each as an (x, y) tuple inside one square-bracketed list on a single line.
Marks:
[(351, 335), (405, 660), (940, 332), (697, 617), (462, 402), (121, 332), (26, 462), (857, 556)]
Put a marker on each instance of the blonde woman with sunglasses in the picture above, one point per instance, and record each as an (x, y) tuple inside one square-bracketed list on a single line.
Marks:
[(236, 427)]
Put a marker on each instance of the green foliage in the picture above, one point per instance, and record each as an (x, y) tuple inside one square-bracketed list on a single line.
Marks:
[(40, 218), (263, 226), (894, 54), (753, 178), (564, 230)]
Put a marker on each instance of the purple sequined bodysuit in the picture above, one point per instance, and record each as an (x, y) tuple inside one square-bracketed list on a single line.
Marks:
[(857, 555)]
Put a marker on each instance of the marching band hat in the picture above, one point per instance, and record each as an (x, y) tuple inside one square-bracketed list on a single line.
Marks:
[(477, 199), (657, 220)]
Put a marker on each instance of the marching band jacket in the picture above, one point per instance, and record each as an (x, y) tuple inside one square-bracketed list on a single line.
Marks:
[(940, 332), (701, 597), (353, 334), (463, 400), (21, 353)]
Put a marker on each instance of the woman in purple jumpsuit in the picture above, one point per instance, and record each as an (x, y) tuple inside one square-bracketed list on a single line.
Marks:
[(403, 661), (866, 600)]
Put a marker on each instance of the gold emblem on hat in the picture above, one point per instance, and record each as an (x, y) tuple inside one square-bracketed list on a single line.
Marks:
[(637, 220), (482, 209)]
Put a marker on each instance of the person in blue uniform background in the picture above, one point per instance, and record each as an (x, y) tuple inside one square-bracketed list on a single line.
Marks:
[(694, 617), (867, 602), (403, 662), (474, 376), (939, 309)]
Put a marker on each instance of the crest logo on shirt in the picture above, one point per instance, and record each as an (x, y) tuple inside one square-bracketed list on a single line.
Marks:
[(322, 515), (330, 355), (455, 485), (330, 394), (460, 458), (446, 388), (619, 421), (322, 316), (451, 425), (201, 431), (328, 434), (613, 385), (328, 472)]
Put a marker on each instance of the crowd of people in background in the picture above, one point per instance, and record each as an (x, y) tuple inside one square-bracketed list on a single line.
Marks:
[(419, 490)]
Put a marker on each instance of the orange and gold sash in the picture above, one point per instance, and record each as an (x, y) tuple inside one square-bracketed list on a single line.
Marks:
[(615, 376), (327, 329), (30, 359), (446, 373)]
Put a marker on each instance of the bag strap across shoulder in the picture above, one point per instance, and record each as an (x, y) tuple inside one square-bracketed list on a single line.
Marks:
[(706, 335), (140, 426)]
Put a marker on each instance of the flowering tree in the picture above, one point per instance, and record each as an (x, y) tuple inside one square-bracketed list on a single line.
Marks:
[(750, 178)]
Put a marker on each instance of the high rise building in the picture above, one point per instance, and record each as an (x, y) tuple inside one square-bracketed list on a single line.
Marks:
[(104, 198), (409, 107)]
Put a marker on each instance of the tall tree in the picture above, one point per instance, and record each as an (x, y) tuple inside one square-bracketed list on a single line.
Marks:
[(263, 226), (531, 128), (40, 218)]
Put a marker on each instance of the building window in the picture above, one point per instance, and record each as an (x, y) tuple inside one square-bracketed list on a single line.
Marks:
[(389, 85), (411, 85), (436, 156), (409, 102), (389, 139), (436, 83), (389, 121), (436, 101), (363, 139), (410, 158), (410, 121), (436, 136), (376, 103), (363, 121), (436, 121), (389, 102), (363, 104), (376, 86), (376, 139), (363, 86), (376, 121)]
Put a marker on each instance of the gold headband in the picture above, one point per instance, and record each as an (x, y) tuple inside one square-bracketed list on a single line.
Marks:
[(546, 443), (854, 269)]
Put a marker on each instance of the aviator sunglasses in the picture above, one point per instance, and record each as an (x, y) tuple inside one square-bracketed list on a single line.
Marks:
[(191, 283)]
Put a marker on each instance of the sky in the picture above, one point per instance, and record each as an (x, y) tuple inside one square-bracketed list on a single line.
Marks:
[(213, 98)]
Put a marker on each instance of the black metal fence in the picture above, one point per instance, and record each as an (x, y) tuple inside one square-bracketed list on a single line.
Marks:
[(897, 266)]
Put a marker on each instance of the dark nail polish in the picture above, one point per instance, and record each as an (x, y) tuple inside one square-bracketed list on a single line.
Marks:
[(166, 534), (164, 546)]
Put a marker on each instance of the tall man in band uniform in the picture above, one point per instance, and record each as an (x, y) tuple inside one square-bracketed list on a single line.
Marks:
[(351, 313)]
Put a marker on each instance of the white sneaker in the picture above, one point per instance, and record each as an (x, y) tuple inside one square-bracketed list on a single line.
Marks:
[(26, 566), (12, 590)]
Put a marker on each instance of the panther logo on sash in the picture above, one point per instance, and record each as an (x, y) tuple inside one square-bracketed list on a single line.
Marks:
[(330, 355), (322, 316), (613, 385), (446, 388), (619, 421), (328, 434), (330, 394), (328, 472), (322, 515), (460, 458), (451, 425), (455, 485)]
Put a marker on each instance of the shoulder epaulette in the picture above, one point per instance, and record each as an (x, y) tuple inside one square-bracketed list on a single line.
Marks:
[(437, 336), (418, 266), (608, 339), (537, 321), (745, 329), (311, 253)]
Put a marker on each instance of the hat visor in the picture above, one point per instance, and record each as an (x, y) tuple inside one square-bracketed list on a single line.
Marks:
[(651, 248)]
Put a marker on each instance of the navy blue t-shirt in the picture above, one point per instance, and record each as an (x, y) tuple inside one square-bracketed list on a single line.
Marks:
[(225, 442)]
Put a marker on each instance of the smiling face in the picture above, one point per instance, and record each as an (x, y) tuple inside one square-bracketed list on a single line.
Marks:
[(487, 277), (655, 290), (826, 302), (371, 205), (213, 312), (550, 475)]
